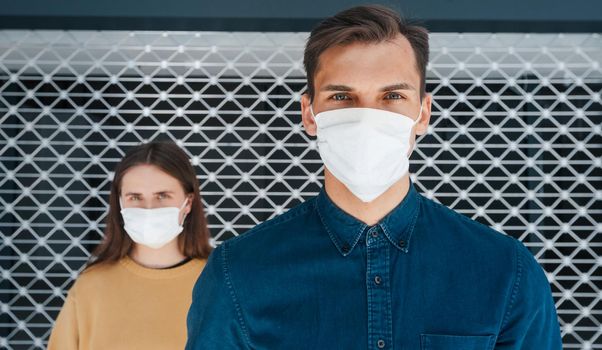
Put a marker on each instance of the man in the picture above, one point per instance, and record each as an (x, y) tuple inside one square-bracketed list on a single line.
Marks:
[(370, 263)]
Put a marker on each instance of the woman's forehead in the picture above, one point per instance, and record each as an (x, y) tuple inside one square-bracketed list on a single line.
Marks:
[(149, 179)]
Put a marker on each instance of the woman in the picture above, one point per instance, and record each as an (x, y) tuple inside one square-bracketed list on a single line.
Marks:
[(136, 292)]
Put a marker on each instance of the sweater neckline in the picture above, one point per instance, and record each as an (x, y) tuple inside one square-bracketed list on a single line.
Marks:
[(148, 272)]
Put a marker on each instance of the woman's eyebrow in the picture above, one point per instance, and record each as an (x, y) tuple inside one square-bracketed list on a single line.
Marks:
[(139, 194), (163, 192), (132, 194)]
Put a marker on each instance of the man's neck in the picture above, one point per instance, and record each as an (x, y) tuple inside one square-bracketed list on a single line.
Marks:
[(370, 213)]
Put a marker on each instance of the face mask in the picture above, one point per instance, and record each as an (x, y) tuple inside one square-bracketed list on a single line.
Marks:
[(152, 227), (366, 149)]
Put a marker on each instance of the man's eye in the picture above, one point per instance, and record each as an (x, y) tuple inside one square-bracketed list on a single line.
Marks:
[(393, 96), (340, 97), (163, 196), (134, 198)]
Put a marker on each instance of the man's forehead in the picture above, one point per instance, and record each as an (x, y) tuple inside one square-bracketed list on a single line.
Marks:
[(393, 57)]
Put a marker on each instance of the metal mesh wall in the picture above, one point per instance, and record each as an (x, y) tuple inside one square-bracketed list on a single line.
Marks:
[(515, 143)]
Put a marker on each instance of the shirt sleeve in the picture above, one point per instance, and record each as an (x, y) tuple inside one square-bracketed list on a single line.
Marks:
[(215, 320), (65, 334), (530, 321)]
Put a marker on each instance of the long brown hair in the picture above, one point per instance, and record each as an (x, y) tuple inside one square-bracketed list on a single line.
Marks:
[(167, 156)]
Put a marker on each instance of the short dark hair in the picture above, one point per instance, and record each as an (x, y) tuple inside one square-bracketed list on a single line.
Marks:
[(370, 24)]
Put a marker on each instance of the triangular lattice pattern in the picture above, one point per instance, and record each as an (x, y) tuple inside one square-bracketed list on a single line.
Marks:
[(515, 142)]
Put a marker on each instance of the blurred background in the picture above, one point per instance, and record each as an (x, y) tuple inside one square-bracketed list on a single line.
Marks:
[(515, 140)]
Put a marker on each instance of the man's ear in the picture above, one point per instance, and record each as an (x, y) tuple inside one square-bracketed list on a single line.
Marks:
[(309, 123), (425, 118)]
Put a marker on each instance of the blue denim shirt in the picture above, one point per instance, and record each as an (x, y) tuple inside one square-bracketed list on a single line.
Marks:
[(424, 277)]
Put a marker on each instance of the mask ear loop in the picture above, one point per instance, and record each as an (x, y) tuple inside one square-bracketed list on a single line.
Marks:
[(184, 204), (182, 207), (311, 109), (419, 114), (416, 122)]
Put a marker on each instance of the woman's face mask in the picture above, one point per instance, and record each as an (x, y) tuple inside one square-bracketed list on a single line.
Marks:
[(154, 227)]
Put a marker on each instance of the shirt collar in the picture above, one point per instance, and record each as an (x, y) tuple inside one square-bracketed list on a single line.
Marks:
[(345, 230)]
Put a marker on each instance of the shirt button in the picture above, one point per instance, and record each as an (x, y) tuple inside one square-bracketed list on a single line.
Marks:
[(402, 243), (345, 248), (375, 233), (380, 343), (377, 280)]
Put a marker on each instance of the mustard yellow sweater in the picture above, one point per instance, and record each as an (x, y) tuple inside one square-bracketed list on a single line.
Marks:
[(126, 306)]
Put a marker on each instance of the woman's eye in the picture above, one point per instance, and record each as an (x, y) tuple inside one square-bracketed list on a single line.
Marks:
[(393, 96), (340, 97)]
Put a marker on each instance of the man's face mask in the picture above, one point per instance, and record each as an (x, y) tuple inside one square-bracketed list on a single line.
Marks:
[(366, 149)]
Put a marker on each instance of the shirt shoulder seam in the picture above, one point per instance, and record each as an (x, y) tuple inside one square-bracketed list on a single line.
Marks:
[(232, 292), (516, 285)]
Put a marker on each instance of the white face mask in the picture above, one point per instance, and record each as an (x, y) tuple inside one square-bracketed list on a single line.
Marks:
[(366, 149), (152, 227)]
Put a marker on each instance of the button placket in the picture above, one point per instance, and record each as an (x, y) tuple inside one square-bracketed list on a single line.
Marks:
[(378, 288)]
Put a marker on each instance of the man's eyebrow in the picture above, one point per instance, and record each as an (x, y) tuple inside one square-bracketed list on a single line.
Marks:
[(392, 87), (398, 86), (331, 87)]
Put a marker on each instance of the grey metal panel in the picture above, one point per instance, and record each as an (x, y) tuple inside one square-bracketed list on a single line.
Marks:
[(274, 15), (515, 142)]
